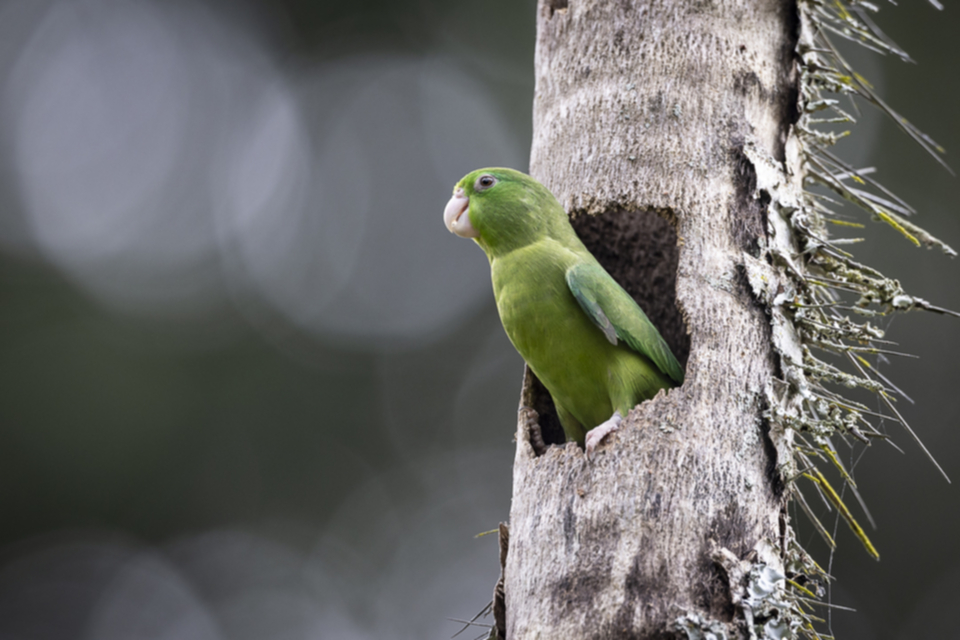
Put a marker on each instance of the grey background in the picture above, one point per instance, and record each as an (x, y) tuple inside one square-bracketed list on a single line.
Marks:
[(252, 388)]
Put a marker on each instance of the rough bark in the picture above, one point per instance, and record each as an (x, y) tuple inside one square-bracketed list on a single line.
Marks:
[(642, 117)]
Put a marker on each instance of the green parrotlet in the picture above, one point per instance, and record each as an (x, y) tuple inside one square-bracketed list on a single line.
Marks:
[(585, 338)]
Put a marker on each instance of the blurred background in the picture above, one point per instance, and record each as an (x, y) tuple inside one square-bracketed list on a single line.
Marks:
[(250, 387)]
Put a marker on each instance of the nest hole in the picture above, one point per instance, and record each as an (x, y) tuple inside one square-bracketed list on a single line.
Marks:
[(639, 249)]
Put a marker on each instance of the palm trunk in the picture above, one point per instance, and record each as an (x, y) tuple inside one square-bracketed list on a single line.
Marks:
[(648, 116)]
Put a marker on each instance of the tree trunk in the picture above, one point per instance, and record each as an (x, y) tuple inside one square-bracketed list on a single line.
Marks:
[(648, 117)]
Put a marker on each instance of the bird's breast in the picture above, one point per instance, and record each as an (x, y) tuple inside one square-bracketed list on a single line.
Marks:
[(538, 311)]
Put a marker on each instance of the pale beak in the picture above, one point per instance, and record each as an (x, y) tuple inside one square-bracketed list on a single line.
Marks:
[(457, 217)]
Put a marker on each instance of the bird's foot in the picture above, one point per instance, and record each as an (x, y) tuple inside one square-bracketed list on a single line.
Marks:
[(596, 435)]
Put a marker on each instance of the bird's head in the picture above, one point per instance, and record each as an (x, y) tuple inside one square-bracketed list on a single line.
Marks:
[(502, 210)]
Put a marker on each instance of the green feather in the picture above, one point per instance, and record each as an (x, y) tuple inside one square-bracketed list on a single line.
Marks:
[(583, 336), (617, 314)]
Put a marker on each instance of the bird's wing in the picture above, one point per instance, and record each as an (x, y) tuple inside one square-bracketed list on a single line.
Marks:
[(617, 315)]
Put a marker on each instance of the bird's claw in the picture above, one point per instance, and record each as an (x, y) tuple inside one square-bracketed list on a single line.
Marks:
[(596, 435)]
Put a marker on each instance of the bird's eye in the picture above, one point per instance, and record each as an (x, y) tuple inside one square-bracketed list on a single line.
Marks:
[(484, 182)]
